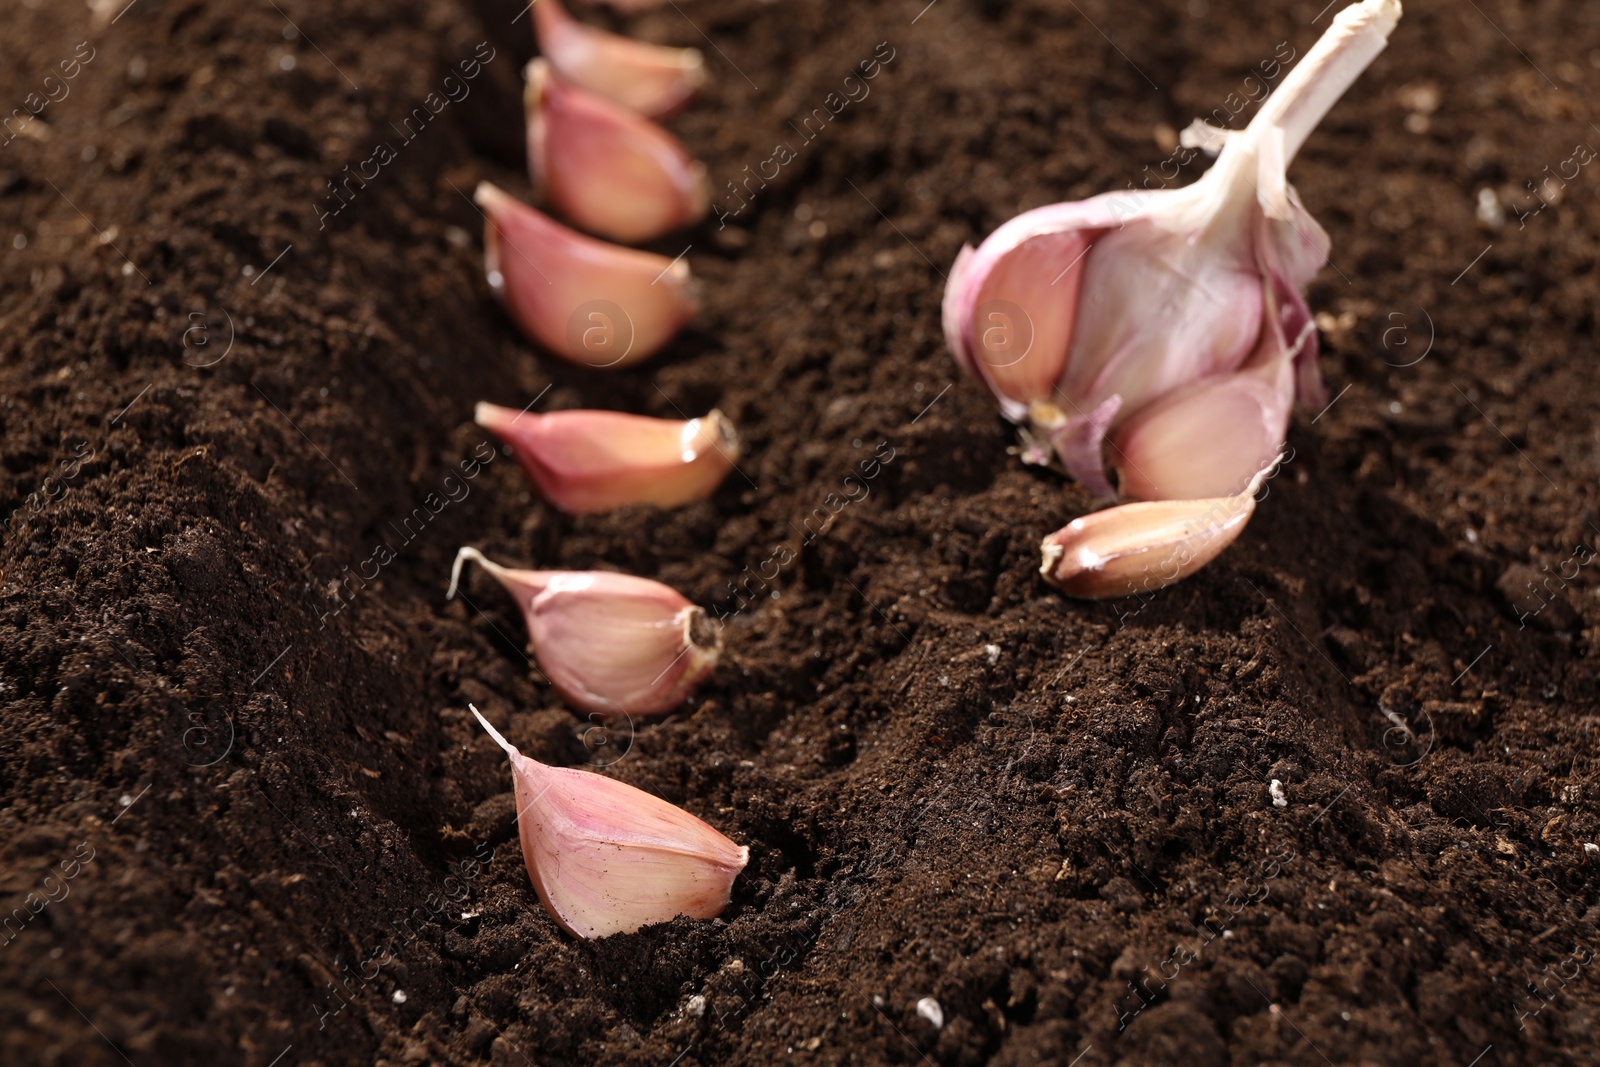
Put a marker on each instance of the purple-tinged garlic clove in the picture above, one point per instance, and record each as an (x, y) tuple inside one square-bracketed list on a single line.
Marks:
[(591, 303), (608, 170), (644, 78), (606, 858), (1205, 439), (585, 462), (612, 644), (1134, 549), (1209, 437)]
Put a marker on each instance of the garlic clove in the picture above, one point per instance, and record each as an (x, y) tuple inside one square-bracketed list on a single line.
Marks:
[(645, 78), (585, 462), (591, 303), (1010, 305), (606, 858), (610, 171), (612, 644), (1138, 548), (1205, 439)]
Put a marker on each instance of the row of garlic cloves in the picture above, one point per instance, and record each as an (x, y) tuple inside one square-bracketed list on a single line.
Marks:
[(605, 857)]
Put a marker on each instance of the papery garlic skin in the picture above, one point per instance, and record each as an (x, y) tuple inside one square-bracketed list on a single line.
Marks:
[(1137, 548), (606, 858), (612, 644), (648, 79), (608, 170), (1131, 296), (586, 462), (592, 303)]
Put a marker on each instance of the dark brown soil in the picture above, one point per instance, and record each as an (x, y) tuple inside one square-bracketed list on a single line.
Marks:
[(260, 799)]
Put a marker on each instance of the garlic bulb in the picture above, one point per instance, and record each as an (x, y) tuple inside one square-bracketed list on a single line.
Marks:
[(1172, 321)]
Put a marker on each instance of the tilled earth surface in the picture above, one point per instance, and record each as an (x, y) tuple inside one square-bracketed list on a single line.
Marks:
[(247, 817)]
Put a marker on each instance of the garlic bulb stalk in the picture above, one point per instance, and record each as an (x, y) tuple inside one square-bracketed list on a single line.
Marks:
[(1088, 320), (606, 858)]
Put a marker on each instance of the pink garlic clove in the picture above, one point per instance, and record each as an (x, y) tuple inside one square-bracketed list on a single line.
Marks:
[(1204, 439), (1133, 296), (606, 858), (592, 303), (645, 78), (607, 169), (1010, 305), (1132, 549), (585, 462), (1211, 436), (612, 644)]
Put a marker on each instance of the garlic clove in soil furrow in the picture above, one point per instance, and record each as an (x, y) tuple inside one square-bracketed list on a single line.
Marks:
[(612, 644), (606, 858), (1137, 548), (1080, 316), (608, 170), (585, 462), (592, 303), (645, 78)]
